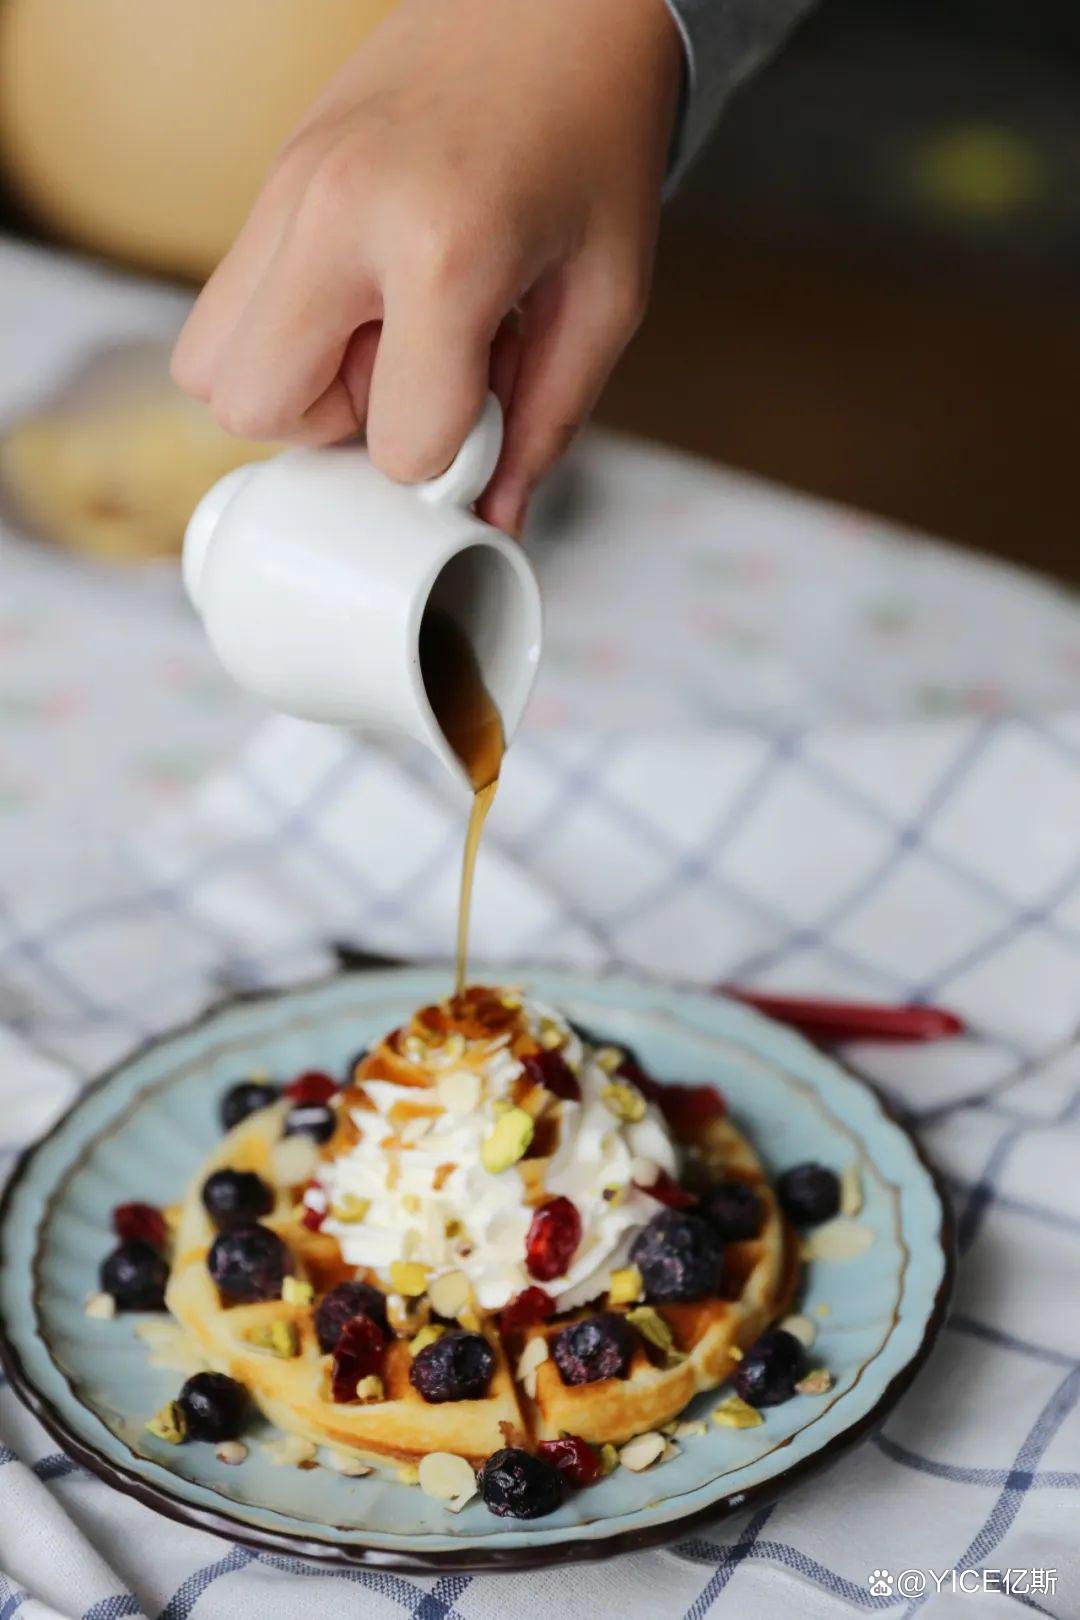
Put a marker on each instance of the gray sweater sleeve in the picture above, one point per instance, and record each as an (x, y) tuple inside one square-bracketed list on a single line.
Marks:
[(724, 40)]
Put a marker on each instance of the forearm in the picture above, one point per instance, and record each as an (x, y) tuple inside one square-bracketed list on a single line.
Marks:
[(723, 41)]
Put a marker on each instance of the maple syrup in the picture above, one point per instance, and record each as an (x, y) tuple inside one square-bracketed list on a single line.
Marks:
[(472, 725)]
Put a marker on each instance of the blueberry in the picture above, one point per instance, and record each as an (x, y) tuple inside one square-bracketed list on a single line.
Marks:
[(679, 1256), (215, 1406), (733, 1210), (770, 1369), (248, 1262), (230, 1196), (245, 1098), (517, 1485), (599, 1347), (135, 1275), (809, 1194), (347, 1300), (311, 1119), (457, 1367)]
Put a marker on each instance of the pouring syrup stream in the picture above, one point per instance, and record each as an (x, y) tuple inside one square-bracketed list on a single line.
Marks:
[(472, 725)]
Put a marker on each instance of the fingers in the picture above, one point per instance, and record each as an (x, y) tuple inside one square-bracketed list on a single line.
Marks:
[(430, 374), (576, 324)]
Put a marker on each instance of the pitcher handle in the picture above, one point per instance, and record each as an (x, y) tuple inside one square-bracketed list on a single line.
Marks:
[(468, 475)]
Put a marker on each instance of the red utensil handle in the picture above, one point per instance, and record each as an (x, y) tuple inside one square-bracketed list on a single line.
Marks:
[(825, 1020)]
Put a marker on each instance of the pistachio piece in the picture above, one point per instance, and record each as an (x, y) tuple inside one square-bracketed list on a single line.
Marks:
[(408, 1278), (651, 1325), (427, 1335), (508, 1141), (371, 1388), (626, 1286), (735, 1413), (609, 1459), (279, 1337), (608, 1058), (169, 1424), (408, 1474), (623, 1100), (349, 1209), (296, 1292)]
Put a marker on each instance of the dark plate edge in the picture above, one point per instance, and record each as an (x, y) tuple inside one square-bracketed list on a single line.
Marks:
[(221, 1523)]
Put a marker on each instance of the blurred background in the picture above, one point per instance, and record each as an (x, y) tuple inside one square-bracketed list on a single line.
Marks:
[(868, 288)]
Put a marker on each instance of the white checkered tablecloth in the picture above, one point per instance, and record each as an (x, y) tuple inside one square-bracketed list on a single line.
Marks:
[(872, 755)]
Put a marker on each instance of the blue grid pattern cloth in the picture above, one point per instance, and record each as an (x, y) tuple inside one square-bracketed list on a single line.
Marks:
[(938, 861)]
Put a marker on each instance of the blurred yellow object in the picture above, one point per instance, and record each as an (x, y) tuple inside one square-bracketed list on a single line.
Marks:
[(977, 172), (115, 467), (142, 129)]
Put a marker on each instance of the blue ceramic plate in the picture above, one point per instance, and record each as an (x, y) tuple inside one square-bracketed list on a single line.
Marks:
[(142, 1131)]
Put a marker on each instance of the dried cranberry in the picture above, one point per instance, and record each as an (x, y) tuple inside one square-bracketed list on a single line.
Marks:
[(551, 1070), (141, 1222), (688, 1109), (313, 1086), (666, 1190), (532, 1305), (312, 1218), (554, 1233), (575, 1459), (358, 1354)]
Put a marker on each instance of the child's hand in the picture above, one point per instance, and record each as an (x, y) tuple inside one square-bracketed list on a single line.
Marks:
[(474, 157)]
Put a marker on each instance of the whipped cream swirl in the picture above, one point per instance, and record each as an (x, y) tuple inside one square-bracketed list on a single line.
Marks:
[(427, 1198)]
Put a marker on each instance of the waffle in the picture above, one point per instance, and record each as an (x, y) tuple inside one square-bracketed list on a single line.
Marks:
[(759, 1279)]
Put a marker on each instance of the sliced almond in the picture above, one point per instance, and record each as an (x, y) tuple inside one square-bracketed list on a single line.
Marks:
[(689, 1429), (289, 1451), (408, 1474), (458, 1090), (415, 1128), (670, 1451), (817, 1382), (231, 1452), (839, 1239), (801, 1328), (101, 1307), (642, 1451), (293, 1160), (643, 1172), (449, 1294), (345, 1462), (447, 1478), (532, 1357), (851, 1197)]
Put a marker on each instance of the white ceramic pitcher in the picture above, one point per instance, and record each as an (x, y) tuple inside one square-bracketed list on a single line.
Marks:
[(312, 572)]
